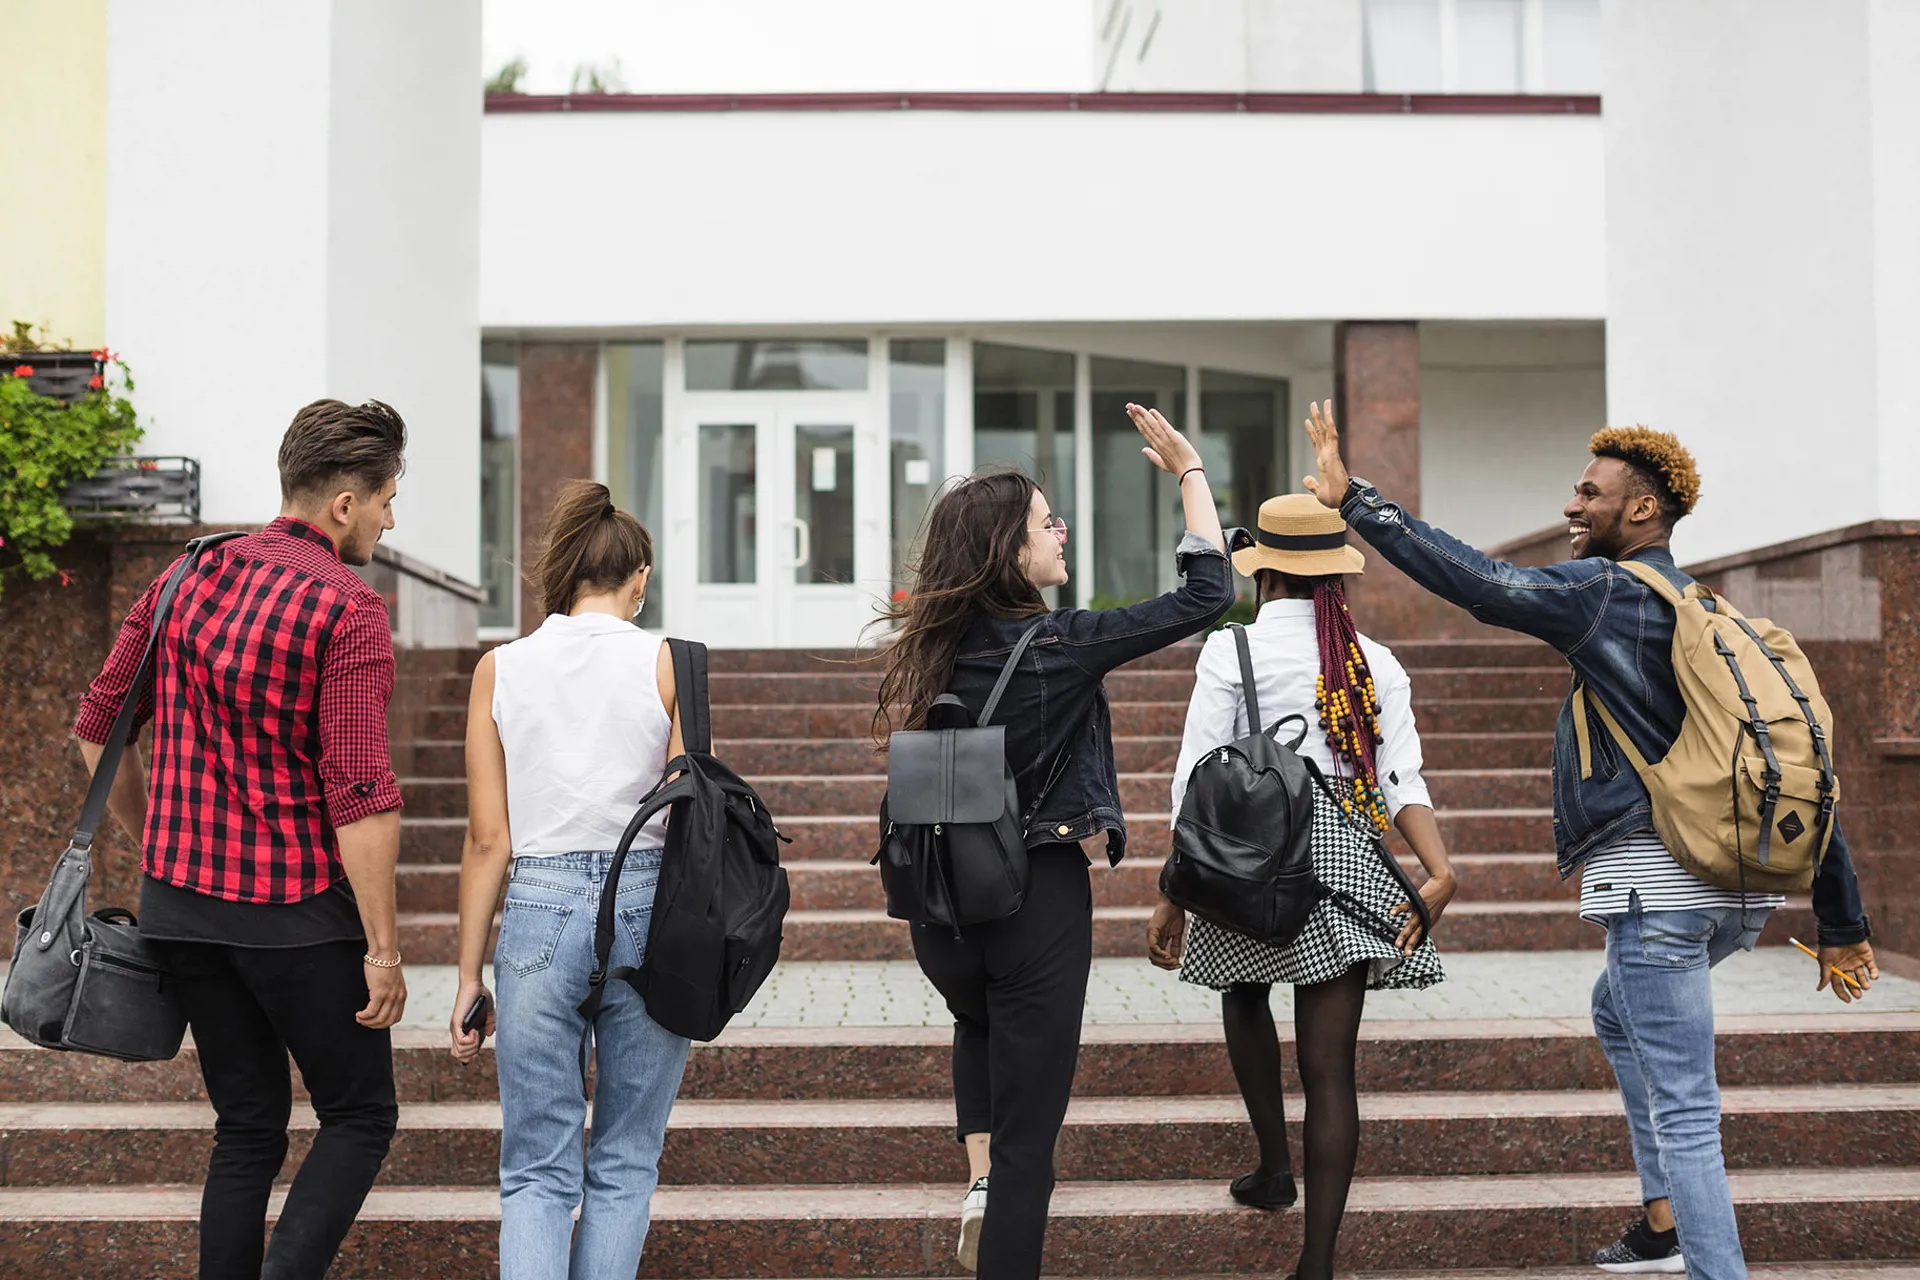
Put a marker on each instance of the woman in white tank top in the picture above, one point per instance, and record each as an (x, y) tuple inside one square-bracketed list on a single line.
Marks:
[(567, 729)]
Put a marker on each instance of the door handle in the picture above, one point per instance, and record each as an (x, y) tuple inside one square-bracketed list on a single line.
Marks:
[(802, 543)]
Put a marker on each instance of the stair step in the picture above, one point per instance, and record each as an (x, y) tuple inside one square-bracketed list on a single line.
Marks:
[(432, 937), (891, 1063), (825, 720), (1097, 1229), (1105, 1139)]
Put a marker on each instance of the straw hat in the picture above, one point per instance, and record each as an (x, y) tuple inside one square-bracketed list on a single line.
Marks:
[(1301, 535)]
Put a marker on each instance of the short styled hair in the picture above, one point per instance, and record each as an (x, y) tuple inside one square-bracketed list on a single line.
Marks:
[(1657, 464), (331, 441)]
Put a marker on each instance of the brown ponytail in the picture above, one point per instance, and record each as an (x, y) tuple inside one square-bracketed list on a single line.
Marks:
[(590, 545)]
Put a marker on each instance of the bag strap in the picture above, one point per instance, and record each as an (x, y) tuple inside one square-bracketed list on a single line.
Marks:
[(1247, 691), (1825, 817), (1006, 673), (95, 807), (690, 695)]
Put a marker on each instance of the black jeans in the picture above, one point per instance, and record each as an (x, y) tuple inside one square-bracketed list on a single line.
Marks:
[(248, 1008), (1017, 988)]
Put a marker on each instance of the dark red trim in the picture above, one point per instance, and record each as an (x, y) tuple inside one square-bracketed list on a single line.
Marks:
[(1264, 103)]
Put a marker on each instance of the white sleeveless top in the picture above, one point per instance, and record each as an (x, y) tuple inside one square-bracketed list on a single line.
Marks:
[(584, 731)]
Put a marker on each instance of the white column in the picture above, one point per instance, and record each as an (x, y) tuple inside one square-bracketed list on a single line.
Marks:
[(293, 213), (959, 407), (1081, 536)]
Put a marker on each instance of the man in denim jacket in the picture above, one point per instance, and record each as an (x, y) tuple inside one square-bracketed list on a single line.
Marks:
[(1653, 1003)]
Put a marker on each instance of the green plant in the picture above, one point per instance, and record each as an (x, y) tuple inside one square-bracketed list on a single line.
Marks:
[(604, 77), (46, 445), (507, 79)]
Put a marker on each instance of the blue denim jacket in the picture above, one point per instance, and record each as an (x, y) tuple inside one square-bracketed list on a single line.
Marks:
[(1059, 732), (1618, 637)]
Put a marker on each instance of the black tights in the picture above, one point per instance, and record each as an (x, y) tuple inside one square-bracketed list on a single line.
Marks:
[(1326, 1022)]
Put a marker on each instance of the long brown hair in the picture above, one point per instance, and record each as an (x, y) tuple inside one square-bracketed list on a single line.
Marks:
[(590, 545), (969, 567)]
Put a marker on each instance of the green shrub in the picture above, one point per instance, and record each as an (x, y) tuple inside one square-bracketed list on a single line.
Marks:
[(46, 445)]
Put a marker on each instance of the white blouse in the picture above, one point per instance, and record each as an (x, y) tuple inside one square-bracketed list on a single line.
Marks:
[(1286, 664), (584, 732)]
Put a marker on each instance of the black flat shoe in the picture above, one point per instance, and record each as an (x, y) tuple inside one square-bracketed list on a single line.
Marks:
[(1265, 1190)]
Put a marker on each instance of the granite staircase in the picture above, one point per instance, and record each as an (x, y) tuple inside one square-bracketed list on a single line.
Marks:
[(806, 1152)]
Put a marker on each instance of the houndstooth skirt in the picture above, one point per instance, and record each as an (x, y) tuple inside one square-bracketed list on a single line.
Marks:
[(1337, 935)]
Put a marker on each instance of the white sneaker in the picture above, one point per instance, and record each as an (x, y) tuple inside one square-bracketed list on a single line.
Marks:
[(973, 1212)]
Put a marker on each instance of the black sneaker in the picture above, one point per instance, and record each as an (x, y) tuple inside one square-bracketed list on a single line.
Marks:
[(1643, 1251)]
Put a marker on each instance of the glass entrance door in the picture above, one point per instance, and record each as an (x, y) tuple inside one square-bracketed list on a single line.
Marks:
[(790, 545)]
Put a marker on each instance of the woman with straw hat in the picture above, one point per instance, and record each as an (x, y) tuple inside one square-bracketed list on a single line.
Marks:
[(1308, 660)]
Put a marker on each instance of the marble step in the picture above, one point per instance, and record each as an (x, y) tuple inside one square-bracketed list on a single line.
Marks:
[(1858, 1046), (855, 885), (1105, 1139), (854, 838), (870, 934), (820, 720), (1096, 1229)]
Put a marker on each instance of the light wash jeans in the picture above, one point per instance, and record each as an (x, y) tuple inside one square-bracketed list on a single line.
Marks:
[(540, 969), (1653, 1012)]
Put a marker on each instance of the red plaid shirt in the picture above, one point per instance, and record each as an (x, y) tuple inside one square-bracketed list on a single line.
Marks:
[(274, 672)]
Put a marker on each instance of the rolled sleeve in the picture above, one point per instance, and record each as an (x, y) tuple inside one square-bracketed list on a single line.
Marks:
[(101, 703), (1399, 762), (356, 684)]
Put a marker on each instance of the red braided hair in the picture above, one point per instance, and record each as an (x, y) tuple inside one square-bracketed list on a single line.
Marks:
[(1349, 703)]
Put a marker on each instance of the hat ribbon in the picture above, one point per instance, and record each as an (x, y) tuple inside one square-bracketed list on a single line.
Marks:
[(1302, 541)]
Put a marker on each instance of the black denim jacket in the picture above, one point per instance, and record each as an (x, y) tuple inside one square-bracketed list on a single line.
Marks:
[(1059, 733), (1618, 637)]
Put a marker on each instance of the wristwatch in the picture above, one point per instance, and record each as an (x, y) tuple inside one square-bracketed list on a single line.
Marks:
[(1355, 487)]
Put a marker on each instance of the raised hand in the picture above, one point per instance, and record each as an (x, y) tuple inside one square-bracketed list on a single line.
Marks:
[(1331, 484), (1166, 448)]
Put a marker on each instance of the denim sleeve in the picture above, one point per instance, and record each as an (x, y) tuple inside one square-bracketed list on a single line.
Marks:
[(1559, 603), (1101, 639), (1836, 895)]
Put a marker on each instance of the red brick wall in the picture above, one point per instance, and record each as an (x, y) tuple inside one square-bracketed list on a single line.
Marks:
[(556, 441)]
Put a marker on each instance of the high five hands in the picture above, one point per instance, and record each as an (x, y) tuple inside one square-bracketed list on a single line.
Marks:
[(1331, 485)]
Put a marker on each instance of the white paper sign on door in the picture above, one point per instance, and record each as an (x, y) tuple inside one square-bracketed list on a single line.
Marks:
[(826, 469), (919, 471)]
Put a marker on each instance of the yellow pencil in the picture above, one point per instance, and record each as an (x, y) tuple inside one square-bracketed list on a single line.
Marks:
[(1838, 973)]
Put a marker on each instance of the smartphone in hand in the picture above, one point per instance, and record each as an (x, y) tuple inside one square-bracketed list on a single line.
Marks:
[(476, 1015)]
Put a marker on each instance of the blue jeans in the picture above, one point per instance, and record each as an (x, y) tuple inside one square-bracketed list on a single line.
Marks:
[(540, 967), (1653, 1012)]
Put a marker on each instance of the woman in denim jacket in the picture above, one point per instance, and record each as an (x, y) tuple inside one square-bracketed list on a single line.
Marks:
[(566, 729), (1016, 986)]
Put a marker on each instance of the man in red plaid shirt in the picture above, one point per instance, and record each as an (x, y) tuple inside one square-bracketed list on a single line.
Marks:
[(270, 828)]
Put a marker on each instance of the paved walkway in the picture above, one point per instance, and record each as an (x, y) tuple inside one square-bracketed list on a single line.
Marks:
[(1488, 984)]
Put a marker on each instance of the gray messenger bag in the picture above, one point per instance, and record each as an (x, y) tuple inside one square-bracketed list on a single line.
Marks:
[(91, 982)]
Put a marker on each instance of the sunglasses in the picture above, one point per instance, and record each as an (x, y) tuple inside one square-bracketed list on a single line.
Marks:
[(1056, 525)]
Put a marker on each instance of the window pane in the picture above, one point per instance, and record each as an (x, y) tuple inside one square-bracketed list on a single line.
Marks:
[(1570, 43), (1490, 57), (1244, 442), (635, 444), (1137, 520), (728, 492), (917, 423), (1023, 417), (823, 498), (1402, 50), (778, 364), (499, 488)]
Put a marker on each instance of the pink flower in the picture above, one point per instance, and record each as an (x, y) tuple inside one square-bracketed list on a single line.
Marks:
[(96, 382), (65, 581), (23, 371)]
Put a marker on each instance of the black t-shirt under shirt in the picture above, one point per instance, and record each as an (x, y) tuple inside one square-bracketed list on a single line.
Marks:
[(173, 914)]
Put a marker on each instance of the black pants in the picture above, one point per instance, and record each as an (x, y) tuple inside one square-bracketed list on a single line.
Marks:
[(1017, 988), (248, 1008)]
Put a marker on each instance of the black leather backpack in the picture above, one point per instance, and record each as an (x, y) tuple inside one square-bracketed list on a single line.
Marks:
[(1242, 848), (953, 845), (722, 897)]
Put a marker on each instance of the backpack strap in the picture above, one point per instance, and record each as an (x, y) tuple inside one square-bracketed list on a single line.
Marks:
[(102, 785), (1825, 817), (1248, 693), (690, 694), (1006, 673)]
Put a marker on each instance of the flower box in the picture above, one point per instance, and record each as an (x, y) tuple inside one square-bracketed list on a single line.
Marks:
[(66, 376), (137, 488)]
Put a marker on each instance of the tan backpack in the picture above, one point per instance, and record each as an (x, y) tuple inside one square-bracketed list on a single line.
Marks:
[(1745, 797)]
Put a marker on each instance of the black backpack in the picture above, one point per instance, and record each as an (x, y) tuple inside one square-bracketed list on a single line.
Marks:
[(722, 896), (953, 847), (1243, 849)]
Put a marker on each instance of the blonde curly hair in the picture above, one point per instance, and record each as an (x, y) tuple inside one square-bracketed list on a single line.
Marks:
[(1659, 459)]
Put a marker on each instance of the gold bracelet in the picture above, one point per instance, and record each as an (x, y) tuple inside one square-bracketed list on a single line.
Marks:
[(382, 964)]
